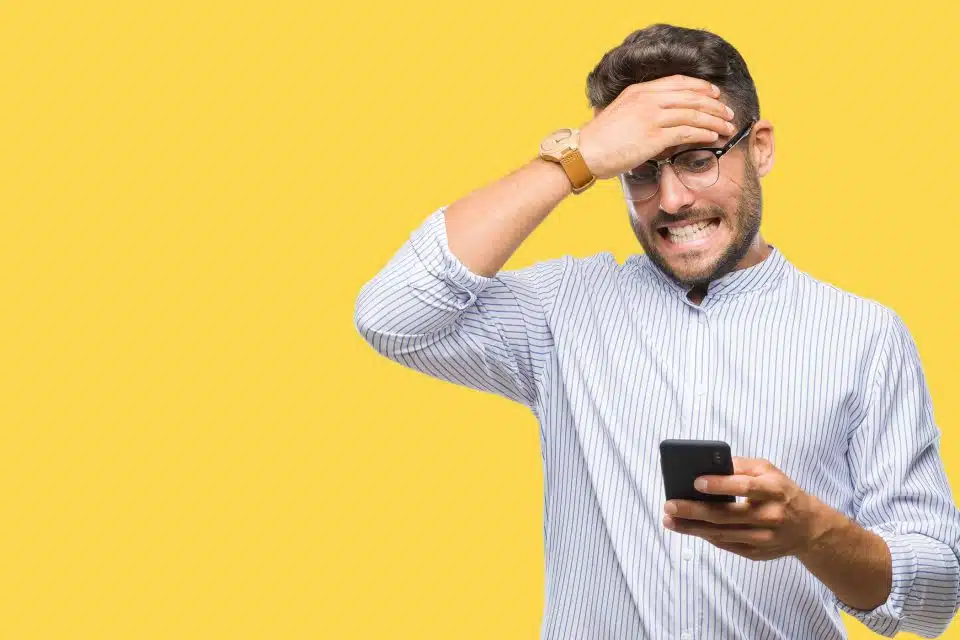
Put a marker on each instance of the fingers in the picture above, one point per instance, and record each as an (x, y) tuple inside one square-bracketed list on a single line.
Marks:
[(691, 112), (769, 514), (765, 487), (688, 135), (742, 534), (725, 513), (693, 100), (750, 551), (695, 118)]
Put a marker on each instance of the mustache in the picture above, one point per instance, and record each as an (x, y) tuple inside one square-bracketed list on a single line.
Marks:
[(662, 218)]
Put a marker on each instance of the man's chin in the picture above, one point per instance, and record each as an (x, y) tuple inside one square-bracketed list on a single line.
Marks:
[(693, 278), (690, 271)]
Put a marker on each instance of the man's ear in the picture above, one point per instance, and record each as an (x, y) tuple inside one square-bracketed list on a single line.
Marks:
[(762, 147)]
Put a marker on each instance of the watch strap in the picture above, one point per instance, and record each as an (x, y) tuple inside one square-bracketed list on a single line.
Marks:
[(577, 170)]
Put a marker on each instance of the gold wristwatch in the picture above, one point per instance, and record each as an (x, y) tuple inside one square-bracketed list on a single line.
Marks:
[(563, 147)]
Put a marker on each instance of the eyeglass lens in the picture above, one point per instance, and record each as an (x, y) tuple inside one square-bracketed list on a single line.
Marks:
[(697, 169)]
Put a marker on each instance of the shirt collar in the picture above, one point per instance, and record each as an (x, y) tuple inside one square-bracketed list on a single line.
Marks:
[(762, 275)]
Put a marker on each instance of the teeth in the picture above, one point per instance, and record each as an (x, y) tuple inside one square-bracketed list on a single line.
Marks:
[(690, 232)]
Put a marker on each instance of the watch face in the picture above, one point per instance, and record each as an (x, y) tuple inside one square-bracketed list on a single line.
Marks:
[(556, 140)]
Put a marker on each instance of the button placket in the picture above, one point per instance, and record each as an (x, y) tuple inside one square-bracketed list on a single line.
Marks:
[(691, 372), (700, 359), (703, 325), (706, 363), (688, 571), (684, 546)]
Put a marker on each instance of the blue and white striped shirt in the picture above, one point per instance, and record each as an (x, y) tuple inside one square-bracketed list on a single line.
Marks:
[(613, 358)]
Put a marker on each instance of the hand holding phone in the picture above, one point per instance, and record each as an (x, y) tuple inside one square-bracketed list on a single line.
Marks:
[(683, 461)]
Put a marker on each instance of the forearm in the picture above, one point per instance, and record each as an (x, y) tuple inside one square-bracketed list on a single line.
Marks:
[(852, 562), (485, 227), (452, 257)]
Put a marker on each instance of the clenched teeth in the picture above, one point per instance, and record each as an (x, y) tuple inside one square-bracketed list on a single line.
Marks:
[(690, 232)]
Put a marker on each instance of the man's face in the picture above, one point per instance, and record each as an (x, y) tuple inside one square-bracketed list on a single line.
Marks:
[(698, 236)]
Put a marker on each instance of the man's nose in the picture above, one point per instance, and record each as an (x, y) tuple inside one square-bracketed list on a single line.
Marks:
[(674, 196)]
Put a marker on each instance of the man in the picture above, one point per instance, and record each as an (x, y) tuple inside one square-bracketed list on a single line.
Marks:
[(710, 334)]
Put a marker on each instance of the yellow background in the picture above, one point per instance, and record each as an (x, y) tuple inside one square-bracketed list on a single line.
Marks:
[(196, 443)]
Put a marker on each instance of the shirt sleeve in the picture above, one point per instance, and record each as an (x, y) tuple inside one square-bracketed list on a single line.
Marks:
[(427, 311), (902, 494)]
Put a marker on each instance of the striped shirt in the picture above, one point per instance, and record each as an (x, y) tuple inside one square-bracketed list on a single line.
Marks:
[(613, 358)]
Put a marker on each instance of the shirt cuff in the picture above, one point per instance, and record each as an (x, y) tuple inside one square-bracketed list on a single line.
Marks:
[(924, 590), (429, 242)]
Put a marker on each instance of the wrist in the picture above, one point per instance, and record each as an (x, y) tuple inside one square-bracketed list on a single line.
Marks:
[(825, 526), (588, 153), (557, 174), (563, 148)]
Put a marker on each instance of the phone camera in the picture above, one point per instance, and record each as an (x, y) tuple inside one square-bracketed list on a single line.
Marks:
[(716, 457)]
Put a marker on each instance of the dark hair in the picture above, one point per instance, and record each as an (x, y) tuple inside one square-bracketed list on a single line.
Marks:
[(662, 50)]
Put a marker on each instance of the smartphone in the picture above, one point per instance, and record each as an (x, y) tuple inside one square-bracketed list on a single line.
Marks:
[(683, 461)]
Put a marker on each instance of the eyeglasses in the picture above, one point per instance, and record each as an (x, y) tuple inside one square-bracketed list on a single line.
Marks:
[(697, 169)]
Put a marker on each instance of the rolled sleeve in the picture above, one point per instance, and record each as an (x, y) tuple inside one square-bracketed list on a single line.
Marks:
[(429, 242), (924, 592), (903, 495), (428, 311)]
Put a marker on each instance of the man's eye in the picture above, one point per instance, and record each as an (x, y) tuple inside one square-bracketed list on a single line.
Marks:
[(642, 174)]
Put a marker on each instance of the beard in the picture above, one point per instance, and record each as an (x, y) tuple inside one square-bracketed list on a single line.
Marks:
[(745, 225)]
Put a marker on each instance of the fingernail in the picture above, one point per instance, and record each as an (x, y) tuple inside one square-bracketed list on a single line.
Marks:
[(700, 484), (670, 508), (729, 110), (668, 522), (715, 88)]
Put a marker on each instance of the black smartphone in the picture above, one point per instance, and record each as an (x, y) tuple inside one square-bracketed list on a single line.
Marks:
[(683, 461)]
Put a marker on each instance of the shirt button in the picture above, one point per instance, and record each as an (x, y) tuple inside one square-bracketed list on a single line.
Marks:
[(686, 635), (701, 388), (687, 554)]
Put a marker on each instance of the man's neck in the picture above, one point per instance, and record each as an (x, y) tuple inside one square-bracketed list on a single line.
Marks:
[(696, 294), (757, 253)]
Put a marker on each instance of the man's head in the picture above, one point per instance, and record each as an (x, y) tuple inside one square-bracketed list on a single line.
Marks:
[(732, 205)]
